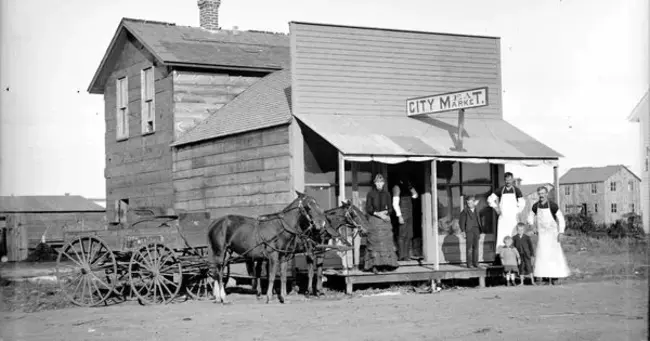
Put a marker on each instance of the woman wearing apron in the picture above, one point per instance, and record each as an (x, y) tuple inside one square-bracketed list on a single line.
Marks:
[(403, 193), (549, 221), (380, 248), (508, 202)]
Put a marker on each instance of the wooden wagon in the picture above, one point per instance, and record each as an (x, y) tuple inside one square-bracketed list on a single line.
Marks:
[(155, 259)]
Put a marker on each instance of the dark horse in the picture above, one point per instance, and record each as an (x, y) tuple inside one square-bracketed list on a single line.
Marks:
[(345, 216), (272, 237)]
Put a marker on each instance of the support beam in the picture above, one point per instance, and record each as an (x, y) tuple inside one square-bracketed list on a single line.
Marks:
[(354, 166), (434, 213), (347, 257), (429, 229), (556, 184), (461, 127)]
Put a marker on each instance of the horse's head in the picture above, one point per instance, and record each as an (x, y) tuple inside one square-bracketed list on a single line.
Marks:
[(356, 217), (314, 212)]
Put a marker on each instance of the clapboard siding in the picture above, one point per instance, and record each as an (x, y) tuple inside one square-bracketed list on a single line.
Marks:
[(242, 174), (139, 168), (198, 94), (357, 71)]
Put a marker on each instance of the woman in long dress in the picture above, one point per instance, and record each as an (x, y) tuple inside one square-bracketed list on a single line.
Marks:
[(549, 256), (380, 248)]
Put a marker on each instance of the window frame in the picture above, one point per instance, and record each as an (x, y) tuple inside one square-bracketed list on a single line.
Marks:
[(596, 208), (148, 100), (567, 189), (122, 108), (612, 186), (613, 208), (594, 188)]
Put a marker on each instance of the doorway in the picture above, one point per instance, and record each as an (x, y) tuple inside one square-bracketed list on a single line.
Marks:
[(414, 172)]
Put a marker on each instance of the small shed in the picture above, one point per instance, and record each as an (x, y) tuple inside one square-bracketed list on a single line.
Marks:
[(25, 221)]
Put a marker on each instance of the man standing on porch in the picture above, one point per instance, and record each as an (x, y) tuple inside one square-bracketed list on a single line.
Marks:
[(508, 202), (549, 222), (403, 195)]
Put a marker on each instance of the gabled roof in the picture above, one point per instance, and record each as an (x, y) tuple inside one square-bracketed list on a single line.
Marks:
[(198, 48), (264, 104), (532, 188), (641, 108), (47, 203), (582, 175)]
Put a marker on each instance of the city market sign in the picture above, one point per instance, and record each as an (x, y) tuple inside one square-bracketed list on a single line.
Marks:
[(465, 99)]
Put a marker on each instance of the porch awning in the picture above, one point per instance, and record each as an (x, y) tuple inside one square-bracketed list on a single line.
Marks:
[(394, 139)]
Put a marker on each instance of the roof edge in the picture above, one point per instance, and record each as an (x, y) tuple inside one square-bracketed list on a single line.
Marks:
[(244, 131), (222, 67), (393, 30), (635, 115)]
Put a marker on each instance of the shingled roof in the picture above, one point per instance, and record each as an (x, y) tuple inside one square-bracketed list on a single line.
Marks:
[(48, 203), (264, 104), (583, 175), (198, 48)]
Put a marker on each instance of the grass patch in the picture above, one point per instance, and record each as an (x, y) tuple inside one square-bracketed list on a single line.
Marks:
[(29, 297)]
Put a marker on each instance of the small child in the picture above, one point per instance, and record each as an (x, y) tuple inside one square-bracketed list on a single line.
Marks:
[(524, 246), (510, 260)]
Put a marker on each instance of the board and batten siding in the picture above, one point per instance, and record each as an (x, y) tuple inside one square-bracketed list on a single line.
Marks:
[(245, 174), (363, 71), (198, 94), (138, 168)]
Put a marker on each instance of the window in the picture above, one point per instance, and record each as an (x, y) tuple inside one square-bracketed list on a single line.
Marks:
[(630, 185), (147, 98), (567, 209), (567, 190), (614, 208), (646, 164), (595, 208), (594, 188), (122, 103), (632, 208), (612, 186), (121, 209)]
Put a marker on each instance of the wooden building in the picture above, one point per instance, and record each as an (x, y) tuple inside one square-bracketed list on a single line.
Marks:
[(641, 115), (606, 193), (28, 220), (320, 110)]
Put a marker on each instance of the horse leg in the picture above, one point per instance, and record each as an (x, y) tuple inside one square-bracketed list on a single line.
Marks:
[(283, 278), (216, 285), (273, 262), (310, 275), (258, 278), (319, 274)]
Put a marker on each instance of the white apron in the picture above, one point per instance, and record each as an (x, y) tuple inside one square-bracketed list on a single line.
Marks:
[(507, 222), (549, 256)]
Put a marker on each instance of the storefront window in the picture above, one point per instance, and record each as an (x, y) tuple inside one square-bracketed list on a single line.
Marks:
[(448, 172), (476, 173), (448, 209)]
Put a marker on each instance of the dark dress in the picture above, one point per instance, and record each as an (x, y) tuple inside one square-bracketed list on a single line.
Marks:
[(380, 249), (526, 250)]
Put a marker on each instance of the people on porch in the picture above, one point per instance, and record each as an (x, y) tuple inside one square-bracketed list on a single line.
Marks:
[(380, 248), (471, 227), (546, 216), (524, 246), (403, 195), (508, 202)]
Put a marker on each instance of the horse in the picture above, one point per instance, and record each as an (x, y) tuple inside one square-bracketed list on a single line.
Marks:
[(345, 216), (271, 237)]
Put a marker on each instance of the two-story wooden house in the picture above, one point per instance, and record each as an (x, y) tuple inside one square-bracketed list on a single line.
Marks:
[(606, 193), (641, 115), (158, 81)]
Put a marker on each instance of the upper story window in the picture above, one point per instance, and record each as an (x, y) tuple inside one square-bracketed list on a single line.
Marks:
[(596, 208), (148, 104), (630, 185), (594, 188), (122, 108), (567, 190), (632, 208), (614, 209), (646, 164), (612, 186)]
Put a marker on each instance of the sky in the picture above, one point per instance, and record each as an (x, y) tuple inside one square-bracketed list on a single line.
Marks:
[(572, 71)]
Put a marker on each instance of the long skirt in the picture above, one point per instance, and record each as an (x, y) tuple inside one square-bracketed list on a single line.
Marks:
[(380, 248)]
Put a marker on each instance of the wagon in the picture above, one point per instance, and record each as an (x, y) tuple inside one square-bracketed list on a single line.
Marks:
[(156, 259)]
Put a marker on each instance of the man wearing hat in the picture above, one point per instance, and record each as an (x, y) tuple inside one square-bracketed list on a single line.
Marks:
[(472, 228)]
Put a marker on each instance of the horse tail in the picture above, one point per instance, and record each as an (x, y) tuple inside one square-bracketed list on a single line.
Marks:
[(217, 238)]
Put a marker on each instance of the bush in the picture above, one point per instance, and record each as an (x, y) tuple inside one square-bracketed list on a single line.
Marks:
[(582, 223), (42, 253)]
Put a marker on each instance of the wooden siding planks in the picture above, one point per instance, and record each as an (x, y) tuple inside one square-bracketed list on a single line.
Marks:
[(198, 94), (139, 168), (245, 174), (357, 71)]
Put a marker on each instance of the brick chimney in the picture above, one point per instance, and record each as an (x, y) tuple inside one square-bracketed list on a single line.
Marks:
[(209, 14)]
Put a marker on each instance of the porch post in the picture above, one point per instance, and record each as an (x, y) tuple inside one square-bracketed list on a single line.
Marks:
[(429, 228), (434, 214), (347, 256), (556, 184), (354, 166)]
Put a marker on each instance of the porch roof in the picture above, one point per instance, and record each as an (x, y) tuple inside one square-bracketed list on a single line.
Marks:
[(418, 138)]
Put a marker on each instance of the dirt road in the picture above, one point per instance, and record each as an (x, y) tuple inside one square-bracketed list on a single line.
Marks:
[(582, 311)]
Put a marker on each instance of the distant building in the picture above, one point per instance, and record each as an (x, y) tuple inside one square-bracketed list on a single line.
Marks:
[(606, 193), (529, 192), (641, 114)]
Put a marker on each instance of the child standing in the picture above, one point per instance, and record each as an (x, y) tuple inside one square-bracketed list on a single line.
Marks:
[(510, 260), (524, 246)]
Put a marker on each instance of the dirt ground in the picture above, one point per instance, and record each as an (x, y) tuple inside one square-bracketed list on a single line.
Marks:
[(607, 310)]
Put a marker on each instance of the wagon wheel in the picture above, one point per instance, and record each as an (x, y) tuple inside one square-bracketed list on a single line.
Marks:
[(155, 274), (199, 286), (86, 270)]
